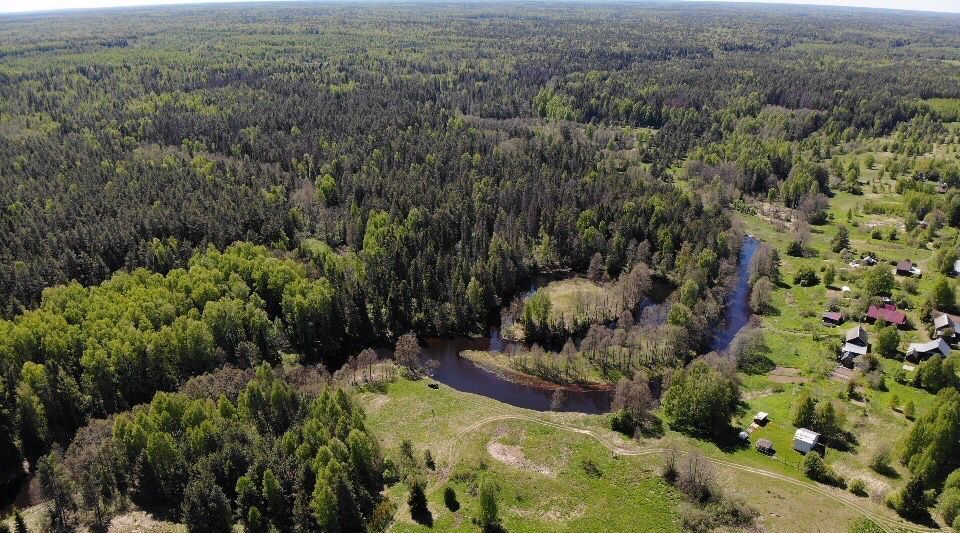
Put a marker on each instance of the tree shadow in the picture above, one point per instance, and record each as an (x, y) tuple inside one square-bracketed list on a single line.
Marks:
[(886, 471), (769, 310), (651, 429), (729, 441), (422, 516)]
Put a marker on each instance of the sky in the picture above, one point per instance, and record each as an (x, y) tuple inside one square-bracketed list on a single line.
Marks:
[(8, 6)]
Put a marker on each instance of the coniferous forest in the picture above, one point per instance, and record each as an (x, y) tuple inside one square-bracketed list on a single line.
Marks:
[(190, 189)]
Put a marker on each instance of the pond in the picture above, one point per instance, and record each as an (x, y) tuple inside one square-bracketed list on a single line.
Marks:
[(463, 375)]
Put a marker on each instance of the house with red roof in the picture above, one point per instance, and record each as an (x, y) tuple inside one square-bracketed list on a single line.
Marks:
[(888, 313)]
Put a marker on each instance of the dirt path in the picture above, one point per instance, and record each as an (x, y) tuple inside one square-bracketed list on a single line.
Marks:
[(449, 453)]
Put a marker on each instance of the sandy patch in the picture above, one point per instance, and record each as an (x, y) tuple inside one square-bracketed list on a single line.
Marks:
[(841, 373), (140, 521), (782, 374), (556, 512), (513, 456), (753, 395)]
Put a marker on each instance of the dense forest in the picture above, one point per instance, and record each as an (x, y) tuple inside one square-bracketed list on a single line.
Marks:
[(192, 187)]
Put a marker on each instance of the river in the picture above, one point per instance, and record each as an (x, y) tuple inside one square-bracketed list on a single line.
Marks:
[(463, 375)]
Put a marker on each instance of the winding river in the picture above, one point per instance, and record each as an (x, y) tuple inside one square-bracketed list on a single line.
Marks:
[(463, 375)]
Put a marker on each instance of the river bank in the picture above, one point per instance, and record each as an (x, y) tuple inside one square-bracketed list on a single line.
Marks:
[(501, 364)]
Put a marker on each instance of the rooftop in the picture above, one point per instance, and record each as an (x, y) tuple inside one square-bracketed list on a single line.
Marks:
[(857, 334), (942, 321), (806, 435), (854, 348), (926, 347), (887, 313)]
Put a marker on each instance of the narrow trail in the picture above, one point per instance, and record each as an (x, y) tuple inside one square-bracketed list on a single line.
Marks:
[(451, 450)]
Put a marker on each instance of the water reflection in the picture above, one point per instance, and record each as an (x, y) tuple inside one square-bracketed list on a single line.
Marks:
[(463, 375)]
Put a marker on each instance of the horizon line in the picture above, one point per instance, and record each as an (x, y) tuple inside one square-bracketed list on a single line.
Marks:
[(813, 4)]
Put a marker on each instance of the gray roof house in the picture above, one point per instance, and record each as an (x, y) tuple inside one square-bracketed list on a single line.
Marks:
[(858, 336), (945, 326), (856, 343), (765, 446), (805, 440), (923, 350)]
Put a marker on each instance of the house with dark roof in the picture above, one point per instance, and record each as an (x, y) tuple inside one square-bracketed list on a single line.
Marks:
[(857, 336), (888, 313), (832, 318), (765, 446), (856, 343), (905, 268), (945, 326), (919, 351)]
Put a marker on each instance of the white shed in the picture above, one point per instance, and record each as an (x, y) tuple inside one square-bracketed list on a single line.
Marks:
[(805, 440)]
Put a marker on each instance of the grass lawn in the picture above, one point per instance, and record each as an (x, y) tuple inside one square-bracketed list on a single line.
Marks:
[(797, 339), (557, 471), (579, 297), (542, 470)]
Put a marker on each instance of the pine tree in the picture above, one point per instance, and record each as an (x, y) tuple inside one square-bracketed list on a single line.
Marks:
[(488, 518), (804, 411)]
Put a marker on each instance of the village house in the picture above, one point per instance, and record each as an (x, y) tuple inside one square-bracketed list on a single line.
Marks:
[(888, 313), (856, 343), (832, 318), (956, 267), (765, 446), (918, 351), (945, 326), (905, 268), (805, 440)]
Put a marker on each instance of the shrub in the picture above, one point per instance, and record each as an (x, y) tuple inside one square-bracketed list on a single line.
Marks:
[(949, 506), (591, 468), (417, 500), (858, 488), (864, 525), (880, 460), (805, 277), (816, 469), (953, 480), (206, 507), (912, 501), (623, 422), (701, 399), (488, 517)]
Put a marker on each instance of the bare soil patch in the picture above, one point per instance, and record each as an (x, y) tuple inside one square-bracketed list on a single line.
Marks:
[(782, 374), (513, 456)]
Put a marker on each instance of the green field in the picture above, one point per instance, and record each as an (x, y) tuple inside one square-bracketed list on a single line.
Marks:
[(538, 460)]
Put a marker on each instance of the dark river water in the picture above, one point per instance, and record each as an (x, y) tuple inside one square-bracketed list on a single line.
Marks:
[(738, 312), (463, 375)]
